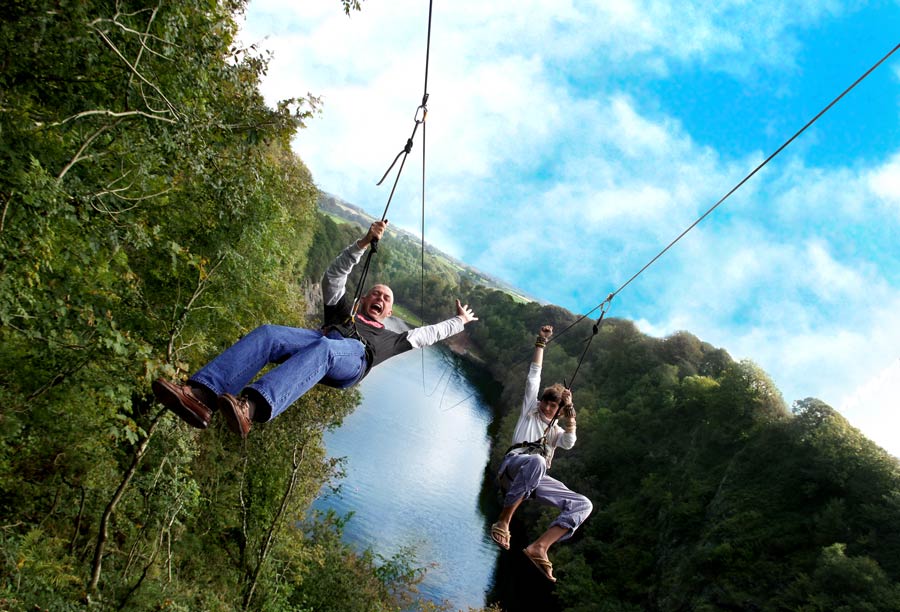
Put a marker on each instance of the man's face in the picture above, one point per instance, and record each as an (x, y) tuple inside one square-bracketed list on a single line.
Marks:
[(378, 303), (548, 408)]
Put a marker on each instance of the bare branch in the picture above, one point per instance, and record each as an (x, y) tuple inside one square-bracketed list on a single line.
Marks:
[(102, 208), (203, 283), (245, 535), (81, 150), (142, 36), (48, 341), (77, 528), (164, 533), (103, 530), (296, 461), (58, 379), (149, 196), (147, 101), (115, 114), (135, 71), (6, 198)]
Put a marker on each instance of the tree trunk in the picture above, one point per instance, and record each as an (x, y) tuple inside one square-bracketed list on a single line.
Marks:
[(103, 530), (273, 528)]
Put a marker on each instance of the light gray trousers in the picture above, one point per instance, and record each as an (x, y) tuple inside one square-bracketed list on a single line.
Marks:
[(525, 476)]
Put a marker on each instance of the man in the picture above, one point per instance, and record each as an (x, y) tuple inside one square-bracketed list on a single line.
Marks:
[(339, 355), (523, 471)]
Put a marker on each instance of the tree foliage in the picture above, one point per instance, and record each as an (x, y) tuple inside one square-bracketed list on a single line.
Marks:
[(151, 212), (709, 493)]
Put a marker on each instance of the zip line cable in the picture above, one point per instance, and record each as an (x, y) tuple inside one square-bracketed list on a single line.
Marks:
[(422, 235), (604, 305), (755, 170), (759, 167), (419, 119), (422, 232)]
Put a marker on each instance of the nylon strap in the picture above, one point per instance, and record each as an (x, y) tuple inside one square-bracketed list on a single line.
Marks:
[(421, 113)]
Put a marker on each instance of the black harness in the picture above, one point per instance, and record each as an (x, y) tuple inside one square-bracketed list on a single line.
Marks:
[(531, 448)]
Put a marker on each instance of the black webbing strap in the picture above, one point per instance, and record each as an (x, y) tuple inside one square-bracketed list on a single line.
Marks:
[(568, 385), (522, 445), (421, 113)]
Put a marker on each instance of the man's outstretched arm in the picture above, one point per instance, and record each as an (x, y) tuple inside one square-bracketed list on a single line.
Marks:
[(429, 334)]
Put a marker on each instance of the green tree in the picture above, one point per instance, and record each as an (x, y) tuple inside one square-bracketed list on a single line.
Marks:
[(150, 213)]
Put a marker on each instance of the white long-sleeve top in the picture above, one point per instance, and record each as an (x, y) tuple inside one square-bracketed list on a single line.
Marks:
[(531, 424)]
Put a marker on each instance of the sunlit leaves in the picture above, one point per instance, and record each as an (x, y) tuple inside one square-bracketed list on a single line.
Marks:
[(151, 212)]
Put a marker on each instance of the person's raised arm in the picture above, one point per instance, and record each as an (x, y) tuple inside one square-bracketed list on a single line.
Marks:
[(533, 378), (540, 343), (429, 334), (335, 279), (376, 231)]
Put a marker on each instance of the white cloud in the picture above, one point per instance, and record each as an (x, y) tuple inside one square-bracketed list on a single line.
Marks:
[(828, 278), (885, 183), (540, 157), (874, 407)]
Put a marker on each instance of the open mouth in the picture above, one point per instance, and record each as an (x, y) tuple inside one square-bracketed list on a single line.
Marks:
[(376, 308)]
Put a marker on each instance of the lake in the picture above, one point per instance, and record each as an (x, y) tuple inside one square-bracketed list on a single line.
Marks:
[(416, 449)]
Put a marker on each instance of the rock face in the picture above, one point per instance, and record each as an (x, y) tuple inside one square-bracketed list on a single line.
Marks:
[(312, 295)]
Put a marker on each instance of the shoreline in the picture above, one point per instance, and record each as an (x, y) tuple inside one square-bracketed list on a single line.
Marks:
[(459, 344)]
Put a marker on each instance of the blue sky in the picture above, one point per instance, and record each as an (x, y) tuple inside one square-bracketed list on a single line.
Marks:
[(569, 142)]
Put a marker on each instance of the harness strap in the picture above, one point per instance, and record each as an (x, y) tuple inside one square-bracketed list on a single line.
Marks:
[(537, 444)]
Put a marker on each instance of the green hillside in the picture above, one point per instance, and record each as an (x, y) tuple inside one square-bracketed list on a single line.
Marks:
[(709, 492), (339, 209), (152, 212)]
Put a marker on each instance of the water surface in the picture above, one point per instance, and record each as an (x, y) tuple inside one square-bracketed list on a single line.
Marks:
[(415, 457)]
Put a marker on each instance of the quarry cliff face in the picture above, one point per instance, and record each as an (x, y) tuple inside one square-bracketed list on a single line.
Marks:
[(312, 296)]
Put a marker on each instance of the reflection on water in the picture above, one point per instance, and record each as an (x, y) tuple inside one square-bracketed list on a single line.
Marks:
[(415, 456)]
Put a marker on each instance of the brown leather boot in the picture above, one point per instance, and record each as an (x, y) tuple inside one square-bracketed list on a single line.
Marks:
[(181, 400), (238, 413)]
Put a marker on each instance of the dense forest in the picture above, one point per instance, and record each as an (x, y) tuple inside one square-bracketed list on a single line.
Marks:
[(709, 492), (151, 212)]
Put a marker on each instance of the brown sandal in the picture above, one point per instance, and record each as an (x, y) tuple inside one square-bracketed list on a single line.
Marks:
[(544, 566), (498, 534)]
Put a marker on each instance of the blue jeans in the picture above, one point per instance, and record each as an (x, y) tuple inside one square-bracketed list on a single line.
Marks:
[(306, 357)]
